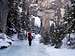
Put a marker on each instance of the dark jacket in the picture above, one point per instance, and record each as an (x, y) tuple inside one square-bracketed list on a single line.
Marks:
[(29, 36)]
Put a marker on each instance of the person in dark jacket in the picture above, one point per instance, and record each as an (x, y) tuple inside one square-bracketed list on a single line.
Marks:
[(29, 38)]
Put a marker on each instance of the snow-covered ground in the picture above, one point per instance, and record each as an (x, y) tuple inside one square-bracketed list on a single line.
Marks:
[(51, 51), (21, 48), (5, 41)]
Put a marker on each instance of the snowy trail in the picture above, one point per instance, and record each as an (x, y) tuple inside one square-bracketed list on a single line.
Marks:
[(21, 48)]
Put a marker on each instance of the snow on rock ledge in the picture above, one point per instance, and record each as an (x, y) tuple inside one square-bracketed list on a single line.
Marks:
[(37, 21)]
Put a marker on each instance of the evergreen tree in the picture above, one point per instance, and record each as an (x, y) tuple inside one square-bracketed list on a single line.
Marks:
[(17, 19), (69, 17)]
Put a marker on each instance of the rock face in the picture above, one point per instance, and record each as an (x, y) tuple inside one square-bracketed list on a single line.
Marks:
[(49, 8), (3, 14)]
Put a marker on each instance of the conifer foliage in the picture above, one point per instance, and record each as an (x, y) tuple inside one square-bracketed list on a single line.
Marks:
[(69, 17), (18, 17)]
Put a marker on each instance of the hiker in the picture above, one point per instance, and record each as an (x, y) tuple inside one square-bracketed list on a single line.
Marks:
[(29, 38)]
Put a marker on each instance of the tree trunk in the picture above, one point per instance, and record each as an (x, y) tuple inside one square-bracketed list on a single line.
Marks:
[(3, 15)]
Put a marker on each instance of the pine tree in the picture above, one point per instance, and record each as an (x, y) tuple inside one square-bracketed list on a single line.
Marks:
[(17, 18), (69, 17)]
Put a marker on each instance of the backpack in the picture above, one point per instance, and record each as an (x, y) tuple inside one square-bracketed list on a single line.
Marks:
[(29, 36)]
